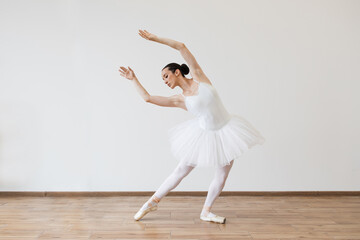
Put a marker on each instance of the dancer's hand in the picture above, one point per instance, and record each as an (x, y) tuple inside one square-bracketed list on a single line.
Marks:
[(148, 36), (127, 73)]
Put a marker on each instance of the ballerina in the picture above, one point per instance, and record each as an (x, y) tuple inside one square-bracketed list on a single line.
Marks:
[(213, 138)]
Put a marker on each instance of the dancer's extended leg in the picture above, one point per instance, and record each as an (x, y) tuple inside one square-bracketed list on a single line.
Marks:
[(215, 188), (173, 180), (170, 183)]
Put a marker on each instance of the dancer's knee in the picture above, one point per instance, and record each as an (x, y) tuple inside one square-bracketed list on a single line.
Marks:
[(182, 171), (221, 179), (221, 176), (222, 173)]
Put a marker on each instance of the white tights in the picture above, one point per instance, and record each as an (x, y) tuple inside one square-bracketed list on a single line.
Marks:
[(183, 170)]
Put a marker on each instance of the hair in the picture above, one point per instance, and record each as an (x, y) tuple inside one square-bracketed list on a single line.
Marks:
[(184, 69)]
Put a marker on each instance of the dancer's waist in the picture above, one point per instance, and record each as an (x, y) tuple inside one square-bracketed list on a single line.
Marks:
[(213, 122)]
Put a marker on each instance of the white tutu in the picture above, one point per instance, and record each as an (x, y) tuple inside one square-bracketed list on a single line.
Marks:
[(197, 146)]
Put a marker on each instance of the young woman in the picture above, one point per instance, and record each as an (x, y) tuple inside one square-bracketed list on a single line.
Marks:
[(214, 138)]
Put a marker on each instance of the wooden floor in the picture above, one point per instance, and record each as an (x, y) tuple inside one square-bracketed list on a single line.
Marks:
[(248, 217)]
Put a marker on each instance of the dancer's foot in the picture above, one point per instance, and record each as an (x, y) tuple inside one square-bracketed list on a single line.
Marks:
[(208, 216), (150, 205)]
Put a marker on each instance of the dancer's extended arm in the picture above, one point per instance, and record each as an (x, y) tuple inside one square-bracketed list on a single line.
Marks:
[(172, 101), (195, 68), (129, 74)]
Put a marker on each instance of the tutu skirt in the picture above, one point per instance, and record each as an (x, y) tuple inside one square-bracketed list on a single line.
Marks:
[(196, 146)]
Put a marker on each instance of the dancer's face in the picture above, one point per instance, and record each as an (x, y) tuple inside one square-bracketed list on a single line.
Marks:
[(170, 78)]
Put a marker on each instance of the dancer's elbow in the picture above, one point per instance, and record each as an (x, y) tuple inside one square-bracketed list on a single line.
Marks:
[(147, 97), (180, 45)]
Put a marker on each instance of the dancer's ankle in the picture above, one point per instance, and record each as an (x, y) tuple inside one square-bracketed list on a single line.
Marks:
[(153, 201), (206, 212)]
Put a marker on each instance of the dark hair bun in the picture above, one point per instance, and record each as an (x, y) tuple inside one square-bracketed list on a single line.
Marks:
[(184, 69)]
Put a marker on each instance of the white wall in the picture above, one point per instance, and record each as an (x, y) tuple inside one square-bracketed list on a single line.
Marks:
[(70, 122)]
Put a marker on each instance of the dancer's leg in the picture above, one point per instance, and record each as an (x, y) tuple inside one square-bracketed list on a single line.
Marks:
[(173, 180), (169, 184), (215, 188)]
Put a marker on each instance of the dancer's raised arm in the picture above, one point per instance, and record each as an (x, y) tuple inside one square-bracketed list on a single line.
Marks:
[(194, 67), (167, 41)]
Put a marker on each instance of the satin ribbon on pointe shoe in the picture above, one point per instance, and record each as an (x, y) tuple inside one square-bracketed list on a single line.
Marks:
[(216, 218), (141, 213)]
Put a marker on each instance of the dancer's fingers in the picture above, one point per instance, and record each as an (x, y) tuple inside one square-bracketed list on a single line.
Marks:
[(124, 72), (141, 34), (144, 36)]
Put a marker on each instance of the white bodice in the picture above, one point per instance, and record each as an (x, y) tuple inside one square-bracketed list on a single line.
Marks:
[(207, 106)]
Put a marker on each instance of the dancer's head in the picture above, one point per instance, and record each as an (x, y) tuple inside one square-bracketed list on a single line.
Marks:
[(173, 72)]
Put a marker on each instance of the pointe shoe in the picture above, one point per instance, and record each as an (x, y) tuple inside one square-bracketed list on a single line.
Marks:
[(141, 213), (216, 219)]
